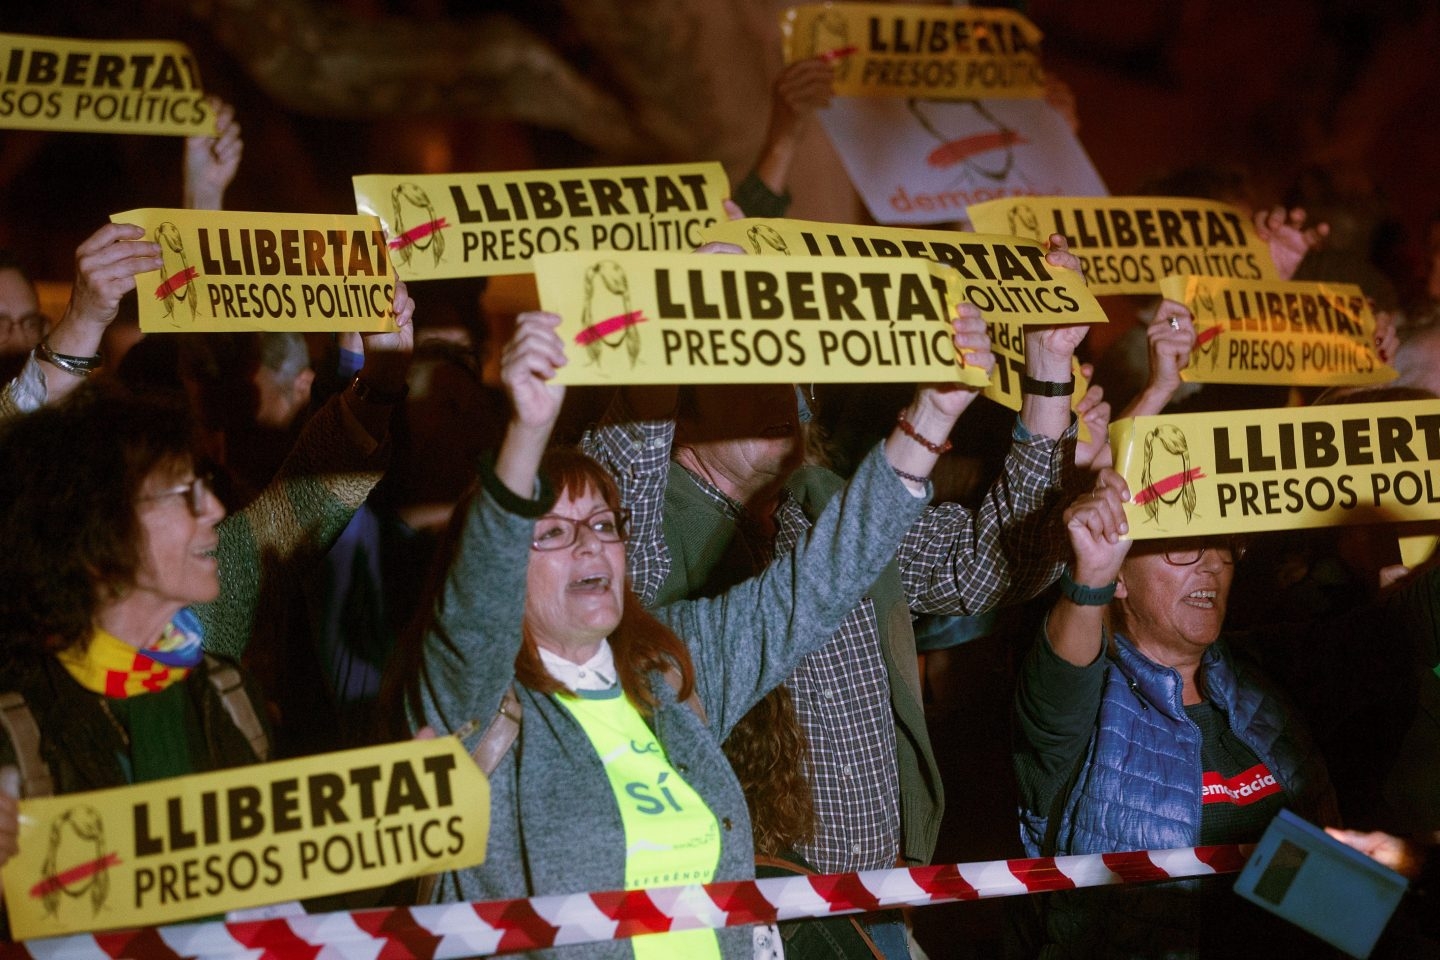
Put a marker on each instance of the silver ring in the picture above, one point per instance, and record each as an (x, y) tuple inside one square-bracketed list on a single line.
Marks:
[(1174, 323)]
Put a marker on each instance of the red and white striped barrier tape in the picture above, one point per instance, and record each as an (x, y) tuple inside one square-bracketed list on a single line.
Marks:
[(513, 926)]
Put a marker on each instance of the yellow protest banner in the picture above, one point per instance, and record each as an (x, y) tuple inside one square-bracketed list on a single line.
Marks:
[(1006, 277), (632, 318), (227, 271), (101, 86), (192, 846), (1279, 469), (487, 224), (1129, 244), (1273, 331), (899, 50)]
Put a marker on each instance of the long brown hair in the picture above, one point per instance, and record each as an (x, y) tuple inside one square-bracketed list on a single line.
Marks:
[(640, 643), (769, 752)]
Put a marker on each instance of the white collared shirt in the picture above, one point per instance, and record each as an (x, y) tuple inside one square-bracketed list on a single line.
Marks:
[(597, 673)]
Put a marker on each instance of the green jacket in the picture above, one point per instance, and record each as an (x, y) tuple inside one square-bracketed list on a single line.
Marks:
[(697, 534)]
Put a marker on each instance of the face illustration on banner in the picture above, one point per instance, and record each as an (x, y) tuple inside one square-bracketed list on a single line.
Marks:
[(766, 239), (175, 285), (1208, 324), (985, 154), (1024, 222), (829, 34), (1167, 481), (608, 319), (76, 862), (415, 224)]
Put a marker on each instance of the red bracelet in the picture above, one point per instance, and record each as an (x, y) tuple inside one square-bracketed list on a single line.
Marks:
[(913, 434)]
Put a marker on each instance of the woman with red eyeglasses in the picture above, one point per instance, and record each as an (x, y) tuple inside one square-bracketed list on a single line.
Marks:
[(1141, 727)]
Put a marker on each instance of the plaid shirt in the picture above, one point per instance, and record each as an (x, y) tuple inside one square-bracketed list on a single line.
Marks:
[(952, 560)]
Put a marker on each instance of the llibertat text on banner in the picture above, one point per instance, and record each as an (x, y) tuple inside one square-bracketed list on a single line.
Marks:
[(1288, 333), (228, 271), (915, 50), (1289, 468), (199, 845), (101, 86), (1007, 278), (488, 224), (710, 318), (1130, 244)]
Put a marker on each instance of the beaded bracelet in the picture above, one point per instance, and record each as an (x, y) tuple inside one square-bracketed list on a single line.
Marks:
[(75, 366), (909, 476), (913, 434)]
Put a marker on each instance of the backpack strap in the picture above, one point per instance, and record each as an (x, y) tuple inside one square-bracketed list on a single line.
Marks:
[(500, 734), (236, 700), (24, 733)]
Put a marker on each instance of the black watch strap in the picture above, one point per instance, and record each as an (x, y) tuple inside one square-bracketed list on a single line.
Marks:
[(1046, 388)]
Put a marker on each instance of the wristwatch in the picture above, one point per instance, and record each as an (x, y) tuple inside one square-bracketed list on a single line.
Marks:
[(1046, 388)]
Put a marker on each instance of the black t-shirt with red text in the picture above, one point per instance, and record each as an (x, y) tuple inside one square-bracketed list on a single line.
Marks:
[(1241, 795)]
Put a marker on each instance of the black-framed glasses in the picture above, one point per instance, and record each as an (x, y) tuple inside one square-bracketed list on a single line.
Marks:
[(1228, 549), (554, 532), (31, 324), (194, 493)]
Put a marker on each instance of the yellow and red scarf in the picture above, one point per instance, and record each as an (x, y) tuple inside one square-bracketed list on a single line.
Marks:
[(113, 668)]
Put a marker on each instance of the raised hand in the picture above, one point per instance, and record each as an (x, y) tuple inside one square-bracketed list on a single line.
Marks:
[(212, 162), (1284, 232), (1096, 526), (530, 361), (972, 342)]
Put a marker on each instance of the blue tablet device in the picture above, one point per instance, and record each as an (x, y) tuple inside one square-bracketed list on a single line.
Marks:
[(1303, 874)]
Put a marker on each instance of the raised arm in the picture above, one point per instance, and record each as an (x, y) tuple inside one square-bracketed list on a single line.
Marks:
[(211, 163), (105, 267), (468, 660), (962, 562), (801, 88), (747, 640), (1059, 684), (293, 522)]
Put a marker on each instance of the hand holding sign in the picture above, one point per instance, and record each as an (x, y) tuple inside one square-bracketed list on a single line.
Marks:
[(1171, 340), (1093, 410), (1284, 232), (212, 162), (972, 344), (1096, 526), (529, 363), (105, 267)]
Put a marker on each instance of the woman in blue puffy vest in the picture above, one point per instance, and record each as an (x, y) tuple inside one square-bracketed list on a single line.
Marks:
[(1140, 728)]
